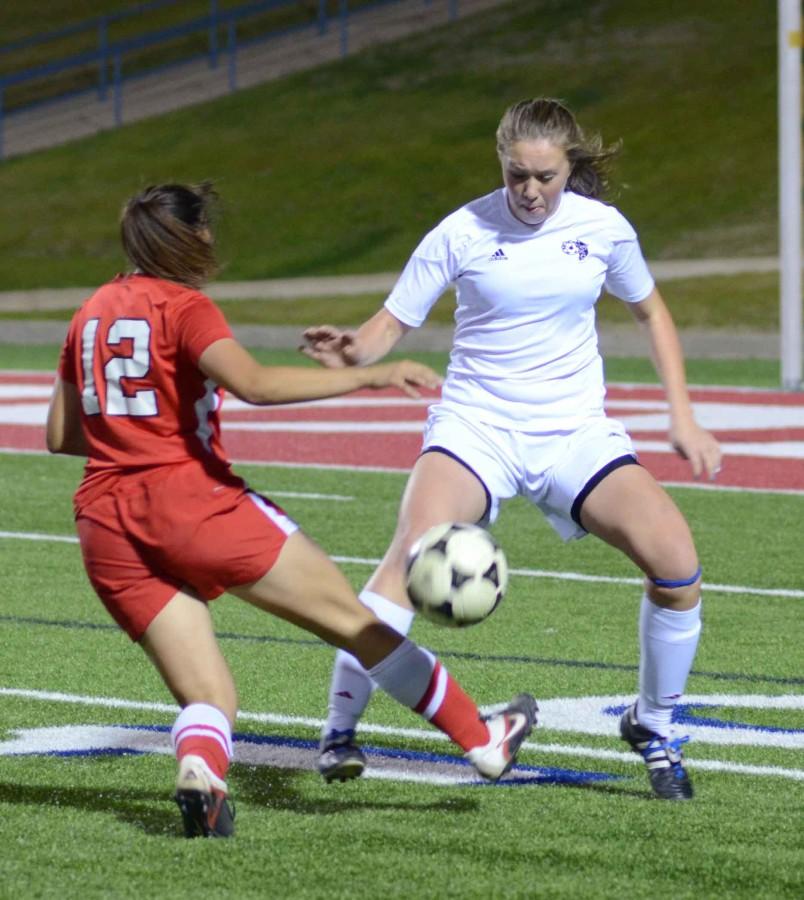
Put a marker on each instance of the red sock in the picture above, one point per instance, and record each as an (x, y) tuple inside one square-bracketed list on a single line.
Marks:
[(449, 708), (209, 749)]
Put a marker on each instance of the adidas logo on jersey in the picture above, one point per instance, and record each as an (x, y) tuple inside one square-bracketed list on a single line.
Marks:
[(498, 254)]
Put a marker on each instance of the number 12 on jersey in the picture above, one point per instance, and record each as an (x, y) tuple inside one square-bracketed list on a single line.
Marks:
[(118, 403)]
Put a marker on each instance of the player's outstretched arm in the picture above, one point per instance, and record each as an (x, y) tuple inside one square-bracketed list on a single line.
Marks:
[(231, 366), (334, 348), (63, 432), (691, 441)]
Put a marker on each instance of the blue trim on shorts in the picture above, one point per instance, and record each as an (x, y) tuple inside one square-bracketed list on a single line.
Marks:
[(677, 583), (627, 460), (436, 449)]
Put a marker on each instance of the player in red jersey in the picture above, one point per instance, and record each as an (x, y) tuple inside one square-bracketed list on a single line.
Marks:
[(165, 525)]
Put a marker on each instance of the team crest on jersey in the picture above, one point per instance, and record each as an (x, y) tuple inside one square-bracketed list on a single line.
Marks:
[(575, 248)]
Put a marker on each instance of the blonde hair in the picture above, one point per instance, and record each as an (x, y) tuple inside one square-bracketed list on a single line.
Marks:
[(165, 230), (550, 120)]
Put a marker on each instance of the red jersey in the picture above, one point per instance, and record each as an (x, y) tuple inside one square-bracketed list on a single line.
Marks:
[(132, 350)]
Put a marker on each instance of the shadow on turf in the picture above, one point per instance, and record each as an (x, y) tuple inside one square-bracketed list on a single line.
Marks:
[(142, 809), (146, 810), (275, 788), (597, 788), (260, 786)]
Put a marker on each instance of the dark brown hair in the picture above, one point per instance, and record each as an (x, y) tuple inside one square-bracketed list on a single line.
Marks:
[(166, 233), (550, 120)]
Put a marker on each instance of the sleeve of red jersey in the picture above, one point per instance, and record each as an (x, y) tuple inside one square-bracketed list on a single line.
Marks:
[(199, 323)]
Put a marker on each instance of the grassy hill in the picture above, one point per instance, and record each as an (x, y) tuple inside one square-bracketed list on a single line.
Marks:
[(343, 168)]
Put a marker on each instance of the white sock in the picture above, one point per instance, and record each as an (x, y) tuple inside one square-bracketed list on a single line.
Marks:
[(351, 686), (668, 640), (202, 720), (405, 673)]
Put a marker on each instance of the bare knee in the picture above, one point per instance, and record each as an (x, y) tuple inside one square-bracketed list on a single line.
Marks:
[(672, 570), (224, 697), (677, 596), (665, 551)]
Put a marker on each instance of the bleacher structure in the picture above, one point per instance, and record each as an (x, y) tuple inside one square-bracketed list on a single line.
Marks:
[(149, 59)]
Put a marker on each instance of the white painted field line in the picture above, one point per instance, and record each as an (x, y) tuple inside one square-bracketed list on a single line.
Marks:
[(401, 470), (18, 451), (757, 449), (25, 391), (706, 586), (731, 488), (88, 700), (366, 728), (311, 426), (526, 573), (405, 470), (610, 579), (711, 765), (329, 467), (303, 495), (34, 536)]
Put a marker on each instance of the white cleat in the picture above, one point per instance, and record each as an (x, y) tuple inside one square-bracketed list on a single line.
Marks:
[(508, 729)]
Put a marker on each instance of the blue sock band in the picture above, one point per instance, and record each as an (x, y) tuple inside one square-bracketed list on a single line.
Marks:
[(683, 582)]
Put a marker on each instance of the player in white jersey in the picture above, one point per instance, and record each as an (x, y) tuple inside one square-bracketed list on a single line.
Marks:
[(522, 409)]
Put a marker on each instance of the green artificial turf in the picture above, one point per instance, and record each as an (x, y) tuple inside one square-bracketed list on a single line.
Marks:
[(100, 826)]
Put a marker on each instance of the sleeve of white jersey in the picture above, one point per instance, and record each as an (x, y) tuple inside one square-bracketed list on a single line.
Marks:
[(627, 276), (427, 274)]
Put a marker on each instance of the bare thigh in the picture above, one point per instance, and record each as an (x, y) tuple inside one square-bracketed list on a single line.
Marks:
[(439, 489), (180, 642), (632, 512), (306, 588)]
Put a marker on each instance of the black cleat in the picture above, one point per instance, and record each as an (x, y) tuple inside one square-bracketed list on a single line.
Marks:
[(663, 757), (341, 759), (203, 800)]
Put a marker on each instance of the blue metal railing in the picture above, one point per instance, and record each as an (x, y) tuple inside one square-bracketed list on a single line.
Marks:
[(96, 22), (109, 55)]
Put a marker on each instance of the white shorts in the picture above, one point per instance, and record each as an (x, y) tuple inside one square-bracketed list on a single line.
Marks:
[(555, 470)]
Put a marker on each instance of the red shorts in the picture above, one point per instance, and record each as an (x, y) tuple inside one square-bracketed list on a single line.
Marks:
[(177, 527)]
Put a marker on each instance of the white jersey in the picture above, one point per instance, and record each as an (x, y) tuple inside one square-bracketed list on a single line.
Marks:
[(525, 352)]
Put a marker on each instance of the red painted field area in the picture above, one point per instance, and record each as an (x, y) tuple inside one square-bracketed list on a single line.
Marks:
[(762, 432)]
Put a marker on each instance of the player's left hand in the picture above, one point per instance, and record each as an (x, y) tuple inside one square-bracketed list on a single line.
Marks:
[(406, 375), (698, 446)]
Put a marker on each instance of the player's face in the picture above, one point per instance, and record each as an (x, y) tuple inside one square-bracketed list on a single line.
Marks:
[(535, 174)]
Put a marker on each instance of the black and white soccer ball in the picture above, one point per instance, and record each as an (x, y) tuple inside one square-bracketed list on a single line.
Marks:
[(456, 574)]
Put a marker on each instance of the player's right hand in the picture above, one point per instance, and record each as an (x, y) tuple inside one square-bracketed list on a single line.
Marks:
[(329, 346)]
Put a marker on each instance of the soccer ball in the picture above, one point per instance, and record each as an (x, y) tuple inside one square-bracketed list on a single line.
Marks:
[(456, 574)]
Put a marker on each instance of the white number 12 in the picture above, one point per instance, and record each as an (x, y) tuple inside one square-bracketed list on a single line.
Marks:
[(140, 403)]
